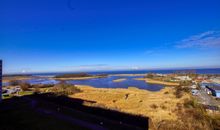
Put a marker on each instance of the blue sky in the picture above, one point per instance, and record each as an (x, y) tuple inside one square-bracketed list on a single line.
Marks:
[(85, 35)]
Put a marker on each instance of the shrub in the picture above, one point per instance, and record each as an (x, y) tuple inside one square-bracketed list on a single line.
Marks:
[(126, 96), (180, 90), (191, 116), (215, 119), (42, 85), (154, 106), (186, 83), (14, 82), (73, 75), (25, 86), (36, 90), (150, 75), (166, 92), (163, 107), (64, 89), (190, 103)]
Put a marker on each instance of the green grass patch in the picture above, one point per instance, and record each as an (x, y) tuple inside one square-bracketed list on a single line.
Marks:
[(21, 93)]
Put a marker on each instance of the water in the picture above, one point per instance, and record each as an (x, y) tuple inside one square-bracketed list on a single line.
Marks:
[(43, 78), (108, 83), (167, 71), (41, 81)]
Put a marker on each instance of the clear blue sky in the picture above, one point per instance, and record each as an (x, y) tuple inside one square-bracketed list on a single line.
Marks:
[(84, 35)]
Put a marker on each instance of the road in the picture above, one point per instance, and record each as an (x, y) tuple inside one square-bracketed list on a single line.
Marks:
[(206, 99)]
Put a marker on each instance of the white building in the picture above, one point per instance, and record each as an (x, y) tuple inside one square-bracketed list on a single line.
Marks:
[(193, 86), (162, 75), (183, 78)]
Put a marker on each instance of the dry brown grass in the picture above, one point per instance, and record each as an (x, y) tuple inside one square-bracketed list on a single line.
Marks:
[(135, 101), (165, 110), (18, 78)]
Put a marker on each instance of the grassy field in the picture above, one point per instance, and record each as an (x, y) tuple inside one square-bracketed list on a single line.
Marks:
[(21, 93), (156, 105), (169, 108)]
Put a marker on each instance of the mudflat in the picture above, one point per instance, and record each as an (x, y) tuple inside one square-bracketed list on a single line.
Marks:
[(119, 80)]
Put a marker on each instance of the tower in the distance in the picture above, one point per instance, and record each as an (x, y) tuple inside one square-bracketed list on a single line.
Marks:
[(0, 80)]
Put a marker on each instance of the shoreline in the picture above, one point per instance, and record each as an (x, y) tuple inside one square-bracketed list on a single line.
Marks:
[(93, 77), (78, 78), (147, 80), (152, 81), (8, 79), (128, 74)]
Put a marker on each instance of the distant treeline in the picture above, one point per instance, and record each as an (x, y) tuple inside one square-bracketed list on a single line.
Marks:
[(14, 75), (78, 75), (185, 72)]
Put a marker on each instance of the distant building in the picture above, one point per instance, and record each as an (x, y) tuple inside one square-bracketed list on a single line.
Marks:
[(203, 85), (0, 80), (194, 92), (161, 75), (193, 86), (204, 77), (216, 80), (9, 91)]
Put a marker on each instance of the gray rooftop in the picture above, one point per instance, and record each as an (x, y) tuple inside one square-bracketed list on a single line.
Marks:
[(214, 86)]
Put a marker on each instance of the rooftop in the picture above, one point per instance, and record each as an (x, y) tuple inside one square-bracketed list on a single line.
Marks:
[(214, 86)]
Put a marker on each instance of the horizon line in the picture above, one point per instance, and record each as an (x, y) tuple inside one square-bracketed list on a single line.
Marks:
[(89, 71)]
